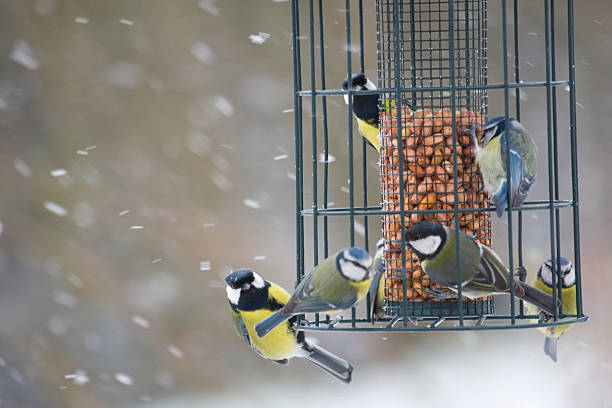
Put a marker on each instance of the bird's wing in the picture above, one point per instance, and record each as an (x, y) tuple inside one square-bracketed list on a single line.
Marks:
[(521, 178), (492, 274), (307, 296)]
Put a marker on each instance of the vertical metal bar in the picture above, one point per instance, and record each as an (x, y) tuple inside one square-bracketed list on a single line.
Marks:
[(364, 151), (350, 138), (508, 179), (315, 200), (313, 105), (350, 126), (517, 101), (574, 152), (553, 67), (400, 142), (453, 91), (325, 134), (413, 54), (297, 103), (551, 210)]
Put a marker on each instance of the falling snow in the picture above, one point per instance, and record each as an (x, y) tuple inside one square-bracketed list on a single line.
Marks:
[(249, 202), (202, 52), (22, 168), (157, 260), (281, 157), (140, 321), (224, 105), (205, 266), (79, 377), (124, 379), (209, 6), (81, 20), (291, 176), (330, 158), (125, 74), (124, 212), (197, 142), (259, 258), (58, 172), (82, 152), (175, 351), (55, 208), (22, 54), (259, 38), (287, 110), (221, 181), (64, 298), (359, 228), (126, 22), (136, 227)]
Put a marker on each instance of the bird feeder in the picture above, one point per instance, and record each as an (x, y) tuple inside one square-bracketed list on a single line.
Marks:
[(432, 77)]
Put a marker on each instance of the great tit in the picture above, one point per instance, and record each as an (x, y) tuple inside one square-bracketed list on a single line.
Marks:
[(337, 283), (492, 161), (377, 290), (365, 108), (568, 295), (483, 273), (251, 300)]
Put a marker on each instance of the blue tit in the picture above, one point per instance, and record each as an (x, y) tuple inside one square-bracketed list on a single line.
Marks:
[(252, 299), (365, 108), (337, 283), (492, 161), (483, 273), (377, 290), (568, 295)]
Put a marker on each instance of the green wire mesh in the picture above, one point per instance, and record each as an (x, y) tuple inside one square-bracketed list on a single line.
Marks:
[(431, 57)]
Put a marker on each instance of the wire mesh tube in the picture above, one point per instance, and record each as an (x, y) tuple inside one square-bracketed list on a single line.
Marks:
[(430, 172)]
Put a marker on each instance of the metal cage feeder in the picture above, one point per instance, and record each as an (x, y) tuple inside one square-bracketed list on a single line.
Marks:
[(432, 67)]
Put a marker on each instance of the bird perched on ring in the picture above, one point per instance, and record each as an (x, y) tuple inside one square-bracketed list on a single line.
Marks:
[(483, 273), (251, 300), (543, 281), (377, 290), (492, 160), (337, 283)]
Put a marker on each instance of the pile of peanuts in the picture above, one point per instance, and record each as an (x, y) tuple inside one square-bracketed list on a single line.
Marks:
[(429, 184)]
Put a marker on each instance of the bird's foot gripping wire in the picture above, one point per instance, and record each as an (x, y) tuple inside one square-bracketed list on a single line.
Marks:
[(440, 294), (543, 317), (521, 272)]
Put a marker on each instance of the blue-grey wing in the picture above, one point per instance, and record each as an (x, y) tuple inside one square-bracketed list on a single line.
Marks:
[(521, 178)]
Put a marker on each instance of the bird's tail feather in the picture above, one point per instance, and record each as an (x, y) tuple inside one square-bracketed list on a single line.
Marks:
[(550, 347), (536, 297), (267, 325), (500, 199), (334, 365)]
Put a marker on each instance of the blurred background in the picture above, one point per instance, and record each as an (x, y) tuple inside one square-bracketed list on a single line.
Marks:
[(147, 149)]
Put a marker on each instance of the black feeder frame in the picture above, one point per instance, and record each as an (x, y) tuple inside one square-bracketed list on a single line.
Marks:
[(430, 54)]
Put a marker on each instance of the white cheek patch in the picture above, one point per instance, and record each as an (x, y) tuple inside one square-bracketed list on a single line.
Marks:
[(346, 98), (428, 245), (233, 294), (352, 271), (370, 86), (569, 279), (546, 274), (258, 281)]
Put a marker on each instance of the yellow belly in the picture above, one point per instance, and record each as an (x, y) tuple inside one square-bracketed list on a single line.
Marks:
[(369, 132), (279, 344), (568, 307)]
